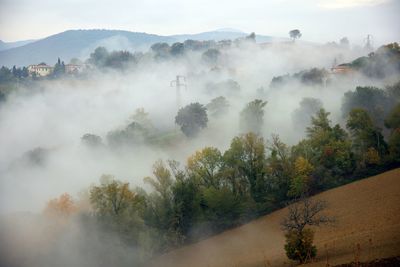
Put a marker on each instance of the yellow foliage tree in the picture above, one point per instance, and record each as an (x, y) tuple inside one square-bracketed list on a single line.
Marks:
[(372, 156), (112, 197), (301, 179), (205, 166)]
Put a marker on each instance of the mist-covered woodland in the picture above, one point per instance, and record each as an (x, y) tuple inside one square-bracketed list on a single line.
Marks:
[(141, 153)]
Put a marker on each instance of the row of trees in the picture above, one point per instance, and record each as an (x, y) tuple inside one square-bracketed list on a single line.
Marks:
[(216, 190)]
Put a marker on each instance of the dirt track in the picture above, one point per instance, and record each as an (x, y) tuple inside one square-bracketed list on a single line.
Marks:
[(367, 213)]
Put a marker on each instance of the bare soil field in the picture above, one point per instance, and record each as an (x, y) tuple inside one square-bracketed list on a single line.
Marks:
[(367, 227)]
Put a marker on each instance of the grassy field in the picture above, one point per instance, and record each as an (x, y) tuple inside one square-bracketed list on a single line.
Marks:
[(368, 227)]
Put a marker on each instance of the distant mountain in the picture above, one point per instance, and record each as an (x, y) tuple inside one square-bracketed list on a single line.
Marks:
[(8, 45), (76, 43), (80, 43)]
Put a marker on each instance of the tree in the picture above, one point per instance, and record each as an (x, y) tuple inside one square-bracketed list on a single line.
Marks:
[(61, 207), (217, 107), (374, 100), (300, 181), (246, 158), (186, 202), (308, 107), (161, 50), (142, 117), (299, 239), (112, 198), (99, 57), (59, 69), (392, 122), (177, 49), (295, 34), (211, 56), (118, 209), (6, 75), (328, 149), (119, 59), (320, 124), (204, 166), (221, 207), (252, 116), (133, 133), (160, 212), (279, 171), (91, 140), (192, 118), (365, 134)]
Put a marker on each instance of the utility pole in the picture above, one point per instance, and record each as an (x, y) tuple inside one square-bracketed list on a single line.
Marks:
[(368, 43), (179, 82)]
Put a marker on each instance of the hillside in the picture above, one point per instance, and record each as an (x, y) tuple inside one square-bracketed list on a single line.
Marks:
[(9, 45), (80, 43), (367, 213), (76, 43)]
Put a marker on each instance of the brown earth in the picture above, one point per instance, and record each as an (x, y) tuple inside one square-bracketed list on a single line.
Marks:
[(367, 227)]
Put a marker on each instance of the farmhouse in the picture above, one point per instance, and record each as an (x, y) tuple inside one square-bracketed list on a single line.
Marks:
[(73, 68), (342, 69), (40, 70)]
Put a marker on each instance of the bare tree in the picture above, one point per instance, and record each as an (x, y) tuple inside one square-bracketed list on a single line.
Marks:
[(305, 212), (299, 239)]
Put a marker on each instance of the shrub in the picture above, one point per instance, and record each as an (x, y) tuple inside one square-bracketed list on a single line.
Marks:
[(299, 245)]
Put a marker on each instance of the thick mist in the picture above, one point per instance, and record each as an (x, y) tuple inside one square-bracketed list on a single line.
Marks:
[(55, 115), (43, 156)]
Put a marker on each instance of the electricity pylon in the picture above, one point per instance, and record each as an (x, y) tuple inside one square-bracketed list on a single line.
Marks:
[(179, 82), (368, 42)]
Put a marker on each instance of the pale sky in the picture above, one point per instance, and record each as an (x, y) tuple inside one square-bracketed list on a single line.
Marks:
[(318, 20)]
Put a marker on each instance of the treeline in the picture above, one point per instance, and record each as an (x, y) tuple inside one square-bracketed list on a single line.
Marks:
[(9, 78), (382, 63), (104, 59), (216, 190)]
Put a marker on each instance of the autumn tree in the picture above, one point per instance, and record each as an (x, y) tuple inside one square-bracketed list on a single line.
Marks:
[(300, 181), (205, 166), (61, 207), (118, 209), (112, 198)]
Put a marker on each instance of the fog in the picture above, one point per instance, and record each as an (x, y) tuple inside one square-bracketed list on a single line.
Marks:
[(54, 115)]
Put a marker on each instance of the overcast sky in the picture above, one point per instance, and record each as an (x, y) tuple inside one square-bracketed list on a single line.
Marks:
[(319, 20)]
